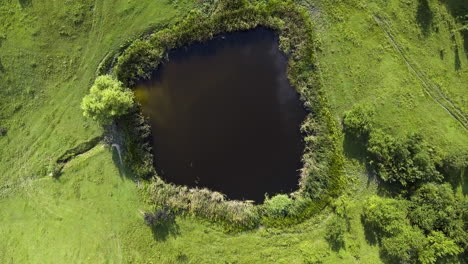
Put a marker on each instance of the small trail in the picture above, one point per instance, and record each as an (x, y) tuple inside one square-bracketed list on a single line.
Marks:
[(430, 88)]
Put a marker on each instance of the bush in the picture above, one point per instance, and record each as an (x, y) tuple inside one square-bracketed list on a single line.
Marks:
[(385, 215), (405, 160), (278, 206), (434, 207), (358, 121), (107, 100), (159, 217), (3, 131)]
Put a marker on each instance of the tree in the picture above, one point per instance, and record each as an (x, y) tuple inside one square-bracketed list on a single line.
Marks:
[(438, 246), (107, 100), (406, 160), (385, 214), (435, 207), (358, 121), (404, 246)]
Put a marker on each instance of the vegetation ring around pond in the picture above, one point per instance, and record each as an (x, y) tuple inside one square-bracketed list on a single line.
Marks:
[(321, 176)]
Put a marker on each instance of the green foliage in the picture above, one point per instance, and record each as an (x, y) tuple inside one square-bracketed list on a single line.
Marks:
[(385, 214), (107, 100), (439, 247), (404, 246), (358, 121), (137, 62), (405, 160), (434, 207), (278, 206), (426, 229)]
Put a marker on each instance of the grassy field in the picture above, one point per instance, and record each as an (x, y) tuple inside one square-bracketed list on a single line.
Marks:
[(402, 56)]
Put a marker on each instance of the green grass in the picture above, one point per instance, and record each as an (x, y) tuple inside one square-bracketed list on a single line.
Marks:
[(49, 54), (360, 65)]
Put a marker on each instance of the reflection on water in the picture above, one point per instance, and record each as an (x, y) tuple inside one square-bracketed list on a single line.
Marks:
[(223, 116)]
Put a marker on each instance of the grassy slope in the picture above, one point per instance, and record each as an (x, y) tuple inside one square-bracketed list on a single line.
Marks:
[(359, 65), (49, 58)]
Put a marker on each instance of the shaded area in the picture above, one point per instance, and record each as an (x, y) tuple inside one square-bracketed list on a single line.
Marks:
[(457, 60), (162, 231), (223, 116), (465, 40), (424, 16), (25, 3), (457, 7)]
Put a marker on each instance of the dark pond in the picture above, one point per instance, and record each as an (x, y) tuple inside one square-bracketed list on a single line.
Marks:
[(224, 116)]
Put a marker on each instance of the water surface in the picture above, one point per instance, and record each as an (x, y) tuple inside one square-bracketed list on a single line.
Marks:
[(223, 116)]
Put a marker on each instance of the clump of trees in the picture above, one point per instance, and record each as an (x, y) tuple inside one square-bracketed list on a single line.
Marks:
[(406, 159), (427, 224), (107, 100), (426, 229)]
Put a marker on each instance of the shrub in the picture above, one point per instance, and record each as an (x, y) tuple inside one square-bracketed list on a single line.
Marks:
[(435, 207), (278, 206), (385, 215), (107, 99), (358, 121), (405, 160), (3, 131), (159, 217)]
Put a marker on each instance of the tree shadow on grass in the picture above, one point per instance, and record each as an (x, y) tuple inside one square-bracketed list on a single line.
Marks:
[(162, 231), (372, 236), (424, 16), (25, 3), (123, 170), (457, 59), (355, 148), (336, 244), (465, 41)]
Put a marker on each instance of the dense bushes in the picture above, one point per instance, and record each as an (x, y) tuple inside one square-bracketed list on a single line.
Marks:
[(406, 160), (358, 121), (234, 215), (428, 226), (404, 234)]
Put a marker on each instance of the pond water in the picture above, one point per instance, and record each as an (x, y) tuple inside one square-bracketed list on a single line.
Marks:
[(223, 116)]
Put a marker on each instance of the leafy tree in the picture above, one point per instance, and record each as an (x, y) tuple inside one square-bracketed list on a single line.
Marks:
[(404, 160), (358, 121), (438, 247), (434, 207), (404, 246), (107, 99), (385, 214)]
